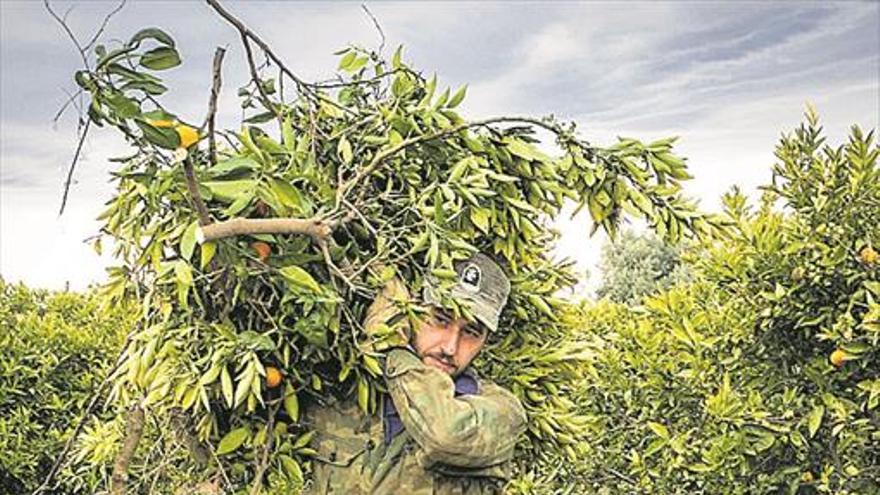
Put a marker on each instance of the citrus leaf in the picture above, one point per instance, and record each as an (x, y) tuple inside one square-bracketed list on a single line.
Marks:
[(232, 440)]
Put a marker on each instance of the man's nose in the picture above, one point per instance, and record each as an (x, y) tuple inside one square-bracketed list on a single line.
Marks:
[(450, 344)]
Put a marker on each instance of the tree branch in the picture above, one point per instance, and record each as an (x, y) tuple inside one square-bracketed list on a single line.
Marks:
[(270, 442), (219, 53), (134, 430), (317, 228), (303, 86), (378, 27), (192, 185), (79, 145)]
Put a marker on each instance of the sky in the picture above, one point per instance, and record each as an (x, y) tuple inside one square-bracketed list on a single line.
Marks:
[(726, 77)]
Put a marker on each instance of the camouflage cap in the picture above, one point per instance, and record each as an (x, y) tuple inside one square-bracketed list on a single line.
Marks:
[(482, 284)]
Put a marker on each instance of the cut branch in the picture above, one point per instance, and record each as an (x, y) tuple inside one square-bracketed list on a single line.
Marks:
[(212, 103), (317, 228), (134, 430)]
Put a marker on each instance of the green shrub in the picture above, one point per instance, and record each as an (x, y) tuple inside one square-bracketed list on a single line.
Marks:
[(55, 348), (725, 385)]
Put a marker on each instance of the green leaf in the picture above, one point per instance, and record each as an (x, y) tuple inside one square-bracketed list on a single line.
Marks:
[(815, 419), (659, 429), (160, 58), (457, 97), (226, 386), (163, 137), (396, 59), (346, 60), (188, 241), (233, 165), (343, 148), (291, 469), (300, 278), (480, 218), (151, 33), (233, 440), (209, 249), (291, 402), (229, 190), (363, 394)]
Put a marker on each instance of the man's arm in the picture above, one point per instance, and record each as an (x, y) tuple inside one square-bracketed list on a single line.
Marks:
[(466, 431)]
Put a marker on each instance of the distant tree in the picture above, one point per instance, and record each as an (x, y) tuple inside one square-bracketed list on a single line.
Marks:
[(637, 265)]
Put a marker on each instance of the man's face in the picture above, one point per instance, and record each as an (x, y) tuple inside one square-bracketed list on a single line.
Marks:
[(448, 343)]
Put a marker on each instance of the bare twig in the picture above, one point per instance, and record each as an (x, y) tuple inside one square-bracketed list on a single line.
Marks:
[(270, 442), (134, 430), (212, 103), (83, 132), (255, 77), (317, 228), (104, 25), (70, 99), (378, 27), (63, 23), (243, 30)]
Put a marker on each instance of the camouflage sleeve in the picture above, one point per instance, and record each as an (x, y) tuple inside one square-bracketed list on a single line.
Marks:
[(466, 431)]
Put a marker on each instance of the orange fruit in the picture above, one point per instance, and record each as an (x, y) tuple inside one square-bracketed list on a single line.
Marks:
[(838, 357), (868, 255), (273, 377), (262, 249), (188, 135)]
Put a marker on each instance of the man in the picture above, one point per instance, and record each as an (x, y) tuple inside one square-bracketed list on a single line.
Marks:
[(442, 429)]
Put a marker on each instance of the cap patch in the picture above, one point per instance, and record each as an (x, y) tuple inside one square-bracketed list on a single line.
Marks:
[(471, 277)]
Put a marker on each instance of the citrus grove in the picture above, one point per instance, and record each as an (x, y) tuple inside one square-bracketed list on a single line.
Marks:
[(251, 254)]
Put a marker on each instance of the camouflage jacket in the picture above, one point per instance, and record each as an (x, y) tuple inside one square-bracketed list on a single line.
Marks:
[(450, 445)]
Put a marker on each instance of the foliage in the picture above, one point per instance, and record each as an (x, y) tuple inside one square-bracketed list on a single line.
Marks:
[(636, 265), (725, 385), (54, 353), (405, 186)]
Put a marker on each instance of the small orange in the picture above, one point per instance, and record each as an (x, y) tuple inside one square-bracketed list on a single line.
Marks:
[(263, 250), (838, 357), (188, 135), (273, 377), (868, 255)]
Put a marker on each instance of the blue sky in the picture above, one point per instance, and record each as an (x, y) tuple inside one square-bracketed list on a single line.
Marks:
[(728, 77)]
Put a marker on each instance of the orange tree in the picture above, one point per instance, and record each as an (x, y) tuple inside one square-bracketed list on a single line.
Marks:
[(261, 247), (763, 375)]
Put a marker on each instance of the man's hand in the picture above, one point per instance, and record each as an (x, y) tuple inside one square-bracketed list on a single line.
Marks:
[(386, 324)]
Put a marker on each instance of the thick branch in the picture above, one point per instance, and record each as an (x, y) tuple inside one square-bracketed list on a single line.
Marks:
[(134, 430), (317, 228), (192, 186)]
